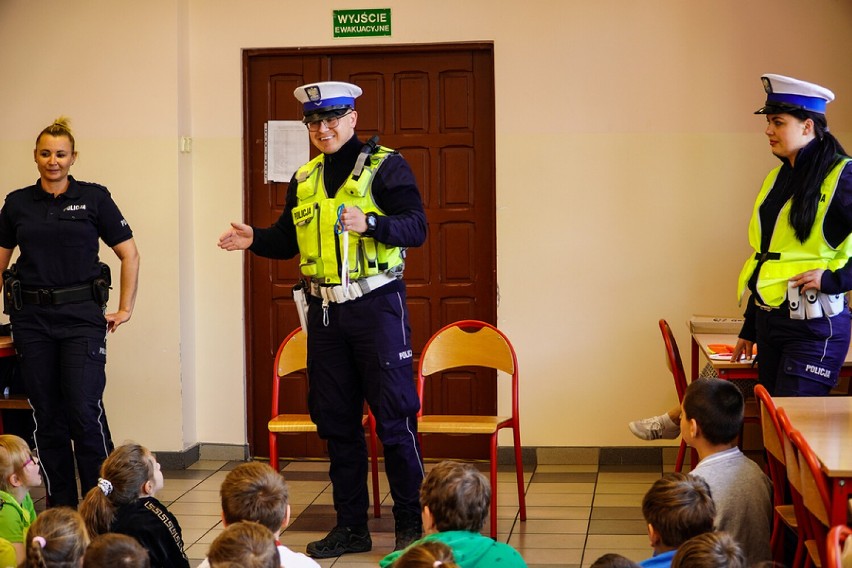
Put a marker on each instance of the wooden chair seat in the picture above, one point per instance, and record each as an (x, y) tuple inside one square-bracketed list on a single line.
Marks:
[(15, 402), (813, 553), (787, 515), (292, 423), (461, 424)]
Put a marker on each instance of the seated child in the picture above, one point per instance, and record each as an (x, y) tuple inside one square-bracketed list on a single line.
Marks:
[(253, 491), (711, 421), (19, 472), (429, 554), (124, 502), (58, 537), (677, 507), (114, 550), (245, 544), (710, 550), (455, 498), (613, 561)]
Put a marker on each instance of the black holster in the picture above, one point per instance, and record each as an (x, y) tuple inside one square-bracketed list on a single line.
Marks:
[(101, 285), (12, 298)]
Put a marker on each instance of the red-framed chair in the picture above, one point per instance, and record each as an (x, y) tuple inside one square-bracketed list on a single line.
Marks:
[(815, 494), (834, 547), (292, 357), (675, 365), (473, 343), (810, 555), (783, 513)]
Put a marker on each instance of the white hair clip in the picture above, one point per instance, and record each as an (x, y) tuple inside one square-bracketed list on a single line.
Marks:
[(105, 485), (40, 540)]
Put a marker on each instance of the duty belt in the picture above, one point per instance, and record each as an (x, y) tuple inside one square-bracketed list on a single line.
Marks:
[(47, 296), (339, 294)]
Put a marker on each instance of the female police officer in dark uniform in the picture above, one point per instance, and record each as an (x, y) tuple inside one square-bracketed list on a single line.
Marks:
[(55, 296)]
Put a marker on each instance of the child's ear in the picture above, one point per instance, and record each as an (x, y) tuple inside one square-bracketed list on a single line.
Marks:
[(653, 536), (694, 429), (286, 522), (147, 487), (15, 480), (428, 520)]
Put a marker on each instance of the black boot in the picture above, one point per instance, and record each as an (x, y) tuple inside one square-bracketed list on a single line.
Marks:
[(340, 541), (408, 529)]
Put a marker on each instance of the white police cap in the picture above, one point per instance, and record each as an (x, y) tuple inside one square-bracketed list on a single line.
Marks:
[(327, 96), (784, 94)]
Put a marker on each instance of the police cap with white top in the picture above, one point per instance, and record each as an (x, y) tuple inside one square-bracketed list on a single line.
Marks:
[(326, 99), (784, 94)]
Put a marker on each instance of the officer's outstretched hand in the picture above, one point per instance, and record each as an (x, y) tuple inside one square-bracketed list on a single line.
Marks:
[(238, 237), (115, 319)]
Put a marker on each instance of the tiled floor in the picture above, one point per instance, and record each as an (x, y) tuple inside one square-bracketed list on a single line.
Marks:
[(575, 513)]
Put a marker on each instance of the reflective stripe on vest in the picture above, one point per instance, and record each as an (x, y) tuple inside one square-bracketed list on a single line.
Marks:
[(792, 257), (315, 215)]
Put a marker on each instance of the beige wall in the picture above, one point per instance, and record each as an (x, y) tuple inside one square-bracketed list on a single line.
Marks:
[(627, 161)]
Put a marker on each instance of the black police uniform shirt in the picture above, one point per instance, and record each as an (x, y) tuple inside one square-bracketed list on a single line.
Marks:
[(59, 237), (394, 190), (157, 530)]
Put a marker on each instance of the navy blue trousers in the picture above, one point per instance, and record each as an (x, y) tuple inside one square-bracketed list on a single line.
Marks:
[(364, 353), (801, 357), (62, 351)]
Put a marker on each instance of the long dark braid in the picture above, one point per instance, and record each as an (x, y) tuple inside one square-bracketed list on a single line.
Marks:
[(808, 175)]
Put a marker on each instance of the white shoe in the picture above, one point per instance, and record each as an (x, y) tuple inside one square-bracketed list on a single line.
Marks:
[(655, 428)]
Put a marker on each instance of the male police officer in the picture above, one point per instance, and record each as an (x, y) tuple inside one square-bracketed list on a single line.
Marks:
[(350, 213)]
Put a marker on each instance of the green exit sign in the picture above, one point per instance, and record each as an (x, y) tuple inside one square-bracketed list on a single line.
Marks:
[(362, 23)]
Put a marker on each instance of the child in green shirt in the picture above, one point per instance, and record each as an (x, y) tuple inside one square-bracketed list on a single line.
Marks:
[(19, 471)]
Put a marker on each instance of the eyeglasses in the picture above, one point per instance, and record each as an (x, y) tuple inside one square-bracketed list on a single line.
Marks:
[(32, 459), (330, 123)]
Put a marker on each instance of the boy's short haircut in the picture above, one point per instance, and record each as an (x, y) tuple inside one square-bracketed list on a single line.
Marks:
[(254, 491), (245, 544), (458, 496), (710, 550), (717, 407), (14, 453), (679, 507)]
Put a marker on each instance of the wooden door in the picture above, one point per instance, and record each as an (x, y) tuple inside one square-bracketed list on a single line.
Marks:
[(435, 104)]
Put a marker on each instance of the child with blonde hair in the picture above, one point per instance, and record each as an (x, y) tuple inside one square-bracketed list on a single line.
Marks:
[(246, 544), (57, 539), (124, 502), (19, 471)]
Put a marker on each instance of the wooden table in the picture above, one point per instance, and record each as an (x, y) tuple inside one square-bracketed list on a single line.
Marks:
[(826, 423), (733, 371)]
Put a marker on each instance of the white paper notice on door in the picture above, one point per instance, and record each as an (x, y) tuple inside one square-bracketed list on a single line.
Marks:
[(287, 148)]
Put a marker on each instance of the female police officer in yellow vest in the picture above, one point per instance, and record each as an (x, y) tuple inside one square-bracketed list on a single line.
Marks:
[(356, 206), (800, 232)]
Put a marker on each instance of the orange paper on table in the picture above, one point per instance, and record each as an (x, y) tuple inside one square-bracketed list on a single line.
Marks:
[(723, 348)]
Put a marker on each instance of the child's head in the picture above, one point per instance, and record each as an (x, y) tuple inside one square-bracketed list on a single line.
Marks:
[(115, 550), (717, 407), (244, 544), (678, 507), (457, 497), (18, 466), (254, 491), (612, 560), (427, 554), (710, 550), (128, 473), (57, 538)]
